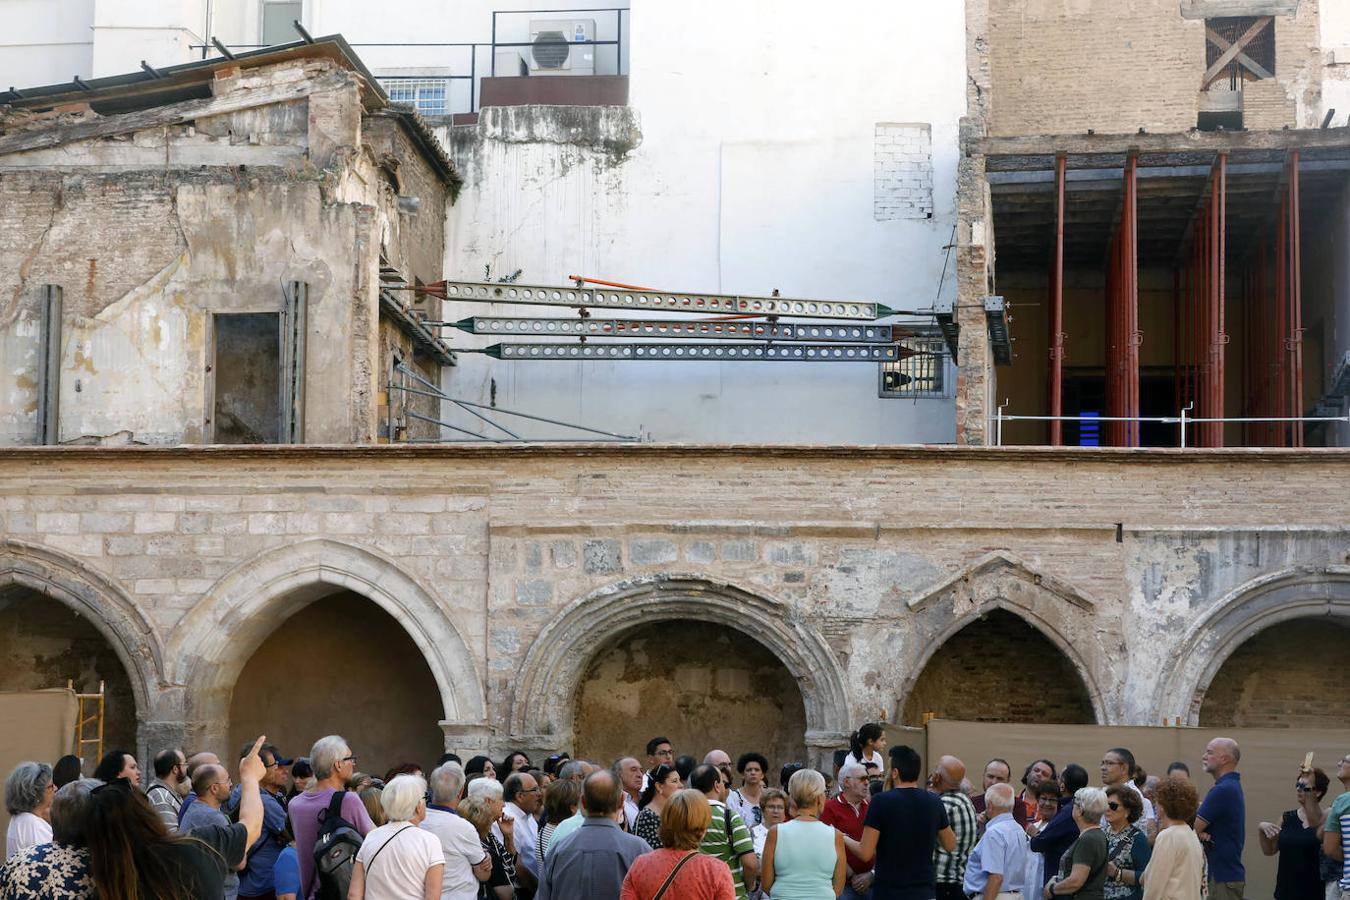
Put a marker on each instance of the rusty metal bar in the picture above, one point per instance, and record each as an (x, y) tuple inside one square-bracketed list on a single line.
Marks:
[(1057, 311)]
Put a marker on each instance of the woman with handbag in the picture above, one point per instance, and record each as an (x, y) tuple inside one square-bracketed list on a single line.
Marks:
[(678, 871), (1082, 870), (398, 860)]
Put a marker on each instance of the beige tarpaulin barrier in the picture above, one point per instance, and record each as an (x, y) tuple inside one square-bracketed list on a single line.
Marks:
[(1270, 761), (36, 725)]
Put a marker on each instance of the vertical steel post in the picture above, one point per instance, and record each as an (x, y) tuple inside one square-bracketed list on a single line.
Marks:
[(1280, 391), (1220, 300), (1133, 336), (49, 367), (1295, 304), (1057, 310)]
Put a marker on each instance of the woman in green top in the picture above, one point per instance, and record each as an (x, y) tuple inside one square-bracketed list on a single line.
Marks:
[(804, 858), (1082, 869)]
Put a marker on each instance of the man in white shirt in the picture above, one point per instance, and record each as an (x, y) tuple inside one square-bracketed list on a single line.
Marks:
[(523, 796), (628, 772), (466, 862)]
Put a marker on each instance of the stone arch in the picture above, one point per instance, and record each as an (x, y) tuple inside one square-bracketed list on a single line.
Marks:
[(542, 713), (250, 601), (1001, 581), (107, 607), (1297, 593)]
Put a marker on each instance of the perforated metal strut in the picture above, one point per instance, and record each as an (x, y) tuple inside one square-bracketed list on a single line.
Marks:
[(609, 298), (676, 328), (701, 352)]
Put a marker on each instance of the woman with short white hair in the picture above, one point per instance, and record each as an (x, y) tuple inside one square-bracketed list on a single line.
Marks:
[(398, 860), (804, 858), (1082, 869), (28, 800)]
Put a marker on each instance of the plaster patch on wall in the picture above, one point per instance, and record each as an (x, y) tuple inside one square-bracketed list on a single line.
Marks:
[(902, 171)]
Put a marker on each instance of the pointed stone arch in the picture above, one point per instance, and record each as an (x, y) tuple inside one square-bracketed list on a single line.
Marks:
[(542, 712), (219, 635), (110, 610), (1301, 592), (1001, 581)]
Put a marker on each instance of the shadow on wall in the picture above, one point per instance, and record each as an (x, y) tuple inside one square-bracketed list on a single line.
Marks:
[(340, 666), (701, 685), (44, 644), (1000, 669), (1273, 681)]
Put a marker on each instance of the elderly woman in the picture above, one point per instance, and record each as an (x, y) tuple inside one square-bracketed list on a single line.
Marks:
[(804, 858), (483, 808), (1127, 846), (28, 800), (678, 871), (774, 804), (1295, 840), (1082, 870), (1176, 871), (59, 869), (410, 860)]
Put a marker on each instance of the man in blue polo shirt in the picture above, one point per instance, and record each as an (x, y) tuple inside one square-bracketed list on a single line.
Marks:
[(1221, 820)]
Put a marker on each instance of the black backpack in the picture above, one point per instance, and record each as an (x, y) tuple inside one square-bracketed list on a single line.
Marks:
[(335, 851)]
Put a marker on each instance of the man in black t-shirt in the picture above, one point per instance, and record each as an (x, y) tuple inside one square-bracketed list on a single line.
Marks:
[(900, 831)]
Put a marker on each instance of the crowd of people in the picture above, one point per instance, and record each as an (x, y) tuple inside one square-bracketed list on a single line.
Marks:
[(667, 828)]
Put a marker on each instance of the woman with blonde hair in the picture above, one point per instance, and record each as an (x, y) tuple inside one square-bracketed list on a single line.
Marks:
[(398, 860), (804, 858), (678, 871)]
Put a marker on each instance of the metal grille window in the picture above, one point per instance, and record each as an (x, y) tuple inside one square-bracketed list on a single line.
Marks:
[(926, 375), (426, 95), (1239, 48)]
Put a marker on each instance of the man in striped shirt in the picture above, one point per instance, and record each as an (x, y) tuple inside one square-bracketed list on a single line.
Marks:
[(950, 866), (727, 839), (1336, 840)]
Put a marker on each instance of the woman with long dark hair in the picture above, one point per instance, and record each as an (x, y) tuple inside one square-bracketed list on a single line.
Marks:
[(662, 784), (866, 747), (117, 764), (516, 761), (134, 857)]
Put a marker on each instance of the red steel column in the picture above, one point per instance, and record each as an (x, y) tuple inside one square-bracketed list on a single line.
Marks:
[(1295, 304), (1133, 335), (1279, 390), (1057, 311)]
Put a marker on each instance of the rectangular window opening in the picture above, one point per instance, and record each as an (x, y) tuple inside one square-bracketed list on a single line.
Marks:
[(426, 95), (277, 19), (246, 374), (927, 374)]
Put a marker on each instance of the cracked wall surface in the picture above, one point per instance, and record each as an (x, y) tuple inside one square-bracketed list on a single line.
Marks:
[(153, 227), (514, 571)]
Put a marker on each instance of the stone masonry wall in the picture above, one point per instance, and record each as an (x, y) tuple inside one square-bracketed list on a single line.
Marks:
[(511, 569)]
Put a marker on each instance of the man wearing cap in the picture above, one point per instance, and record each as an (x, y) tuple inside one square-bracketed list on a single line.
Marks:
[(255, 881)]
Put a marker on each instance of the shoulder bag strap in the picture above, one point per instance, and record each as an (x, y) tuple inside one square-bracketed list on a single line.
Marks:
[(376, 854), (334, 805), (665, 885)]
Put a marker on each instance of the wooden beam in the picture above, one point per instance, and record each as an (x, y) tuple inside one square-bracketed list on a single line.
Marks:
[(170, 114), (1221, 42), (1212, 74)]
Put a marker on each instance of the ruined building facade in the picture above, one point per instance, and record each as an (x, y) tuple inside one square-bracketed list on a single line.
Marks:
[(582, 597)]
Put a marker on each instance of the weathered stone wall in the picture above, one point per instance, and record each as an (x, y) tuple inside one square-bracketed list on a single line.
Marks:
[(1272, 681), (1066, 66), (511, 569)]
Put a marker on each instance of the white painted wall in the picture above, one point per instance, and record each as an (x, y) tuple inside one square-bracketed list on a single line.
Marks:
[(1335, 25), (755, 172), (44, 41)]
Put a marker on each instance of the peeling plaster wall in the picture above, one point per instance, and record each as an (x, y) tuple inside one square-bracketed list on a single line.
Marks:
[(151, 231), (745, 162)]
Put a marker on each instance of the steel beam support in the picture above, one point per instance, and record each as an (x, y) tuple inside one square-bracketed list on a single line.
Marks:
[(49, 367), (1295, 339), (649, 329), (710, 352), (1056, 380)]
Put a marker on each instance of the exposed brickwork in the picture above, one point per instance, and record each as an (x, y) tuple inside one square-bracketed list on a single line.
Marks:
[(1064, 68), (1287, 676), (969, 678), (698, 684), (903, 172)]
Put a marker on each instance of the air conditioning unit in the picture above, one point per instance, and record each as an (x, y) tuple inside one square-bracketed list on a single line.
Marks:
[(562, 47)]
